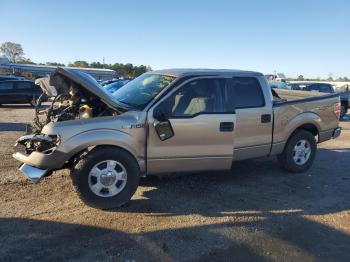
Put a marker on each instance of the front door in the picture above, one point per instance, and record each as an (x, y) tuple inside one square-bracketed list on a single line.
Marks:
[(202, 124)]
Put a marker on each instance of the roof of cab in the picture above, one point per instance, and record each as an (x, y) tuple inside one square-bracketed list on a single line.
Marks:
[(181, 72)]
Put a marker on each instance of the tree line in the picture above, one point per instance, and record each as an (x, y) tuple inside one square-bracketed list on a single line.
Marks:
[(127, 70), (329, 79), (14, 52)]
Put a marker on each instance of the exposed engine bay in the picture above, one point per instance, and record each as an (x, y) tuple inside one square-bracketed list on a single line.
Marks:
[(69, 100)]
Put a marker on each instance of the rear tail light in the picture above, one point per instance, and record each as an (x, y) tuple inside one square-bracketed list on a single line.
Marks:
[(336, 109)]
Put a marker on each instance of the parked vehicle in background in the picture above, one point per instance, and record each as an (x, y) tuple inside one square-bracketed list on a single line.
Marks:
[(11, 77), (180, 120), (107, 82), (19, 92), (277, 80), (295, 86), (115, 85), (323, 88)]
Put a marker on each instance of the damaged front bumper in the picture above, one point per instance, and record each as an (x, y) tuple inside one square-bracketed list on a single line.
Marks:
[(39, 164), (33, 173), (54, 160)]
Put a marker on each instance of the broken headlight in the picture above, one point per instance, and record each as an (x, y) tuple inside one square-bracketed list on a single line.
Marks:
[(39, 142)]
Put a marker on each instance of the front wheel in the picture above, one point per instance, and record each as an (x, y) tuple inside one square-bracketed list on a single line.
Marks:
[(299, 152), (106, 177)]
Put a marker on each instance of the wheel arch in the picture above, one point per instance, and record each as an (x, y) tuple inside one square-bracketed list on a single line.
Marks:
[(78, 155), (307, 126), (87, 141), (310, 127), (313, 129), (306, 121)]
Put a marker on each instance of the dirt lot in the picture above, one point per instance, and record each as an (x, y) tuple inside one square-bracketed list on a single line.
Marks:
[(255, 212)]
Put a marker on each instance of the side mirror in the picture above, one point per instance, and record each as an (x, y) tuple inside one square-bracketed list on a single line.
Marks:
[(164, 130), (163, 127), (160, 114)]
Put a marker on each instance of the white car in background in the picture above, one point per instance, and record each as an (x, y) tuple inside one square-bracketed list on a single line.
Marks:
[(277, 80)]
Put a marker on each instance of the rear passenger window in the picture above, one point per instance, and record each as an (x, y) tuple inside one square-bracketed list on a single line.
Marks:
[(325, 89), (247, 92), (6, 86), (315, 88)]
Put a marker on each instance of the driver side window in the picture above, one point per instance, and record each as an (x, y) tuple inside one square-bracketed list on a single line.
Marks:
[(197, 97)]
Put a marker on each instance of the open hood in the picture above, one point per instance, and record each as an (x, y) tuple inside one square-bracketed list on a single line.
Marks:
[(62, 78), (44, 84)]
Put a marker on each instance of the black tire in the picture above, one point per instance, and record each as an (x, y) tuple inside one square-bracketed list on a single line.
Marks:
[(80, 177), (343, 110), (286, 158)]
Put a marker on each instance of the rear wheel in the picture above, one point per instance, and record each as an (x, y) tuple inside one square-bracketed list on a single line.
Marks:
[(299, 153), (106, 177)]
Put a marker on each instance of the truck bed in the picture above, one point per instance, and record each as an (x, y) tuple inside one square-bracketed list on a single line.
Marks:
[(291, 108), (297, 95)]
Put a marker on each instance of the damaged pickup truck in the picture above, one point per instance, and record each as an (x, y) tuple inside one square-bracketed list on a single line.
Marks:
[(180, 120)]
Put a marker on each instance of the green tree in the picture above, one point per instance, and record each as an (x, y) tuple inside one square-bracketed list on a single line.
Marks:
[(300, 78), (97, 65), (343, 79), (12, 51), (330, 77), (79, 63), (23, 60)]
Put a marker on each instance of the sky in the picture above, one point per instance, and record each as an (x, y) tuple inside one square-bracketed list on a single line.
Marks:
[(308, 37)]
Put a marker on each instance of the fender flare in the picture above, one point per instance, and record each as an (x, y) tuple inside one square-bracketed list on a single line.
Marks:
[(99, 137)]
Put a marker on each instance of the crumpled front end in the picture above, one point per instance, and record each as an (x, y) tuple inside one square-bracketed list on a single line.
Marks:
[(59, 144), (81, 116), (74, 97), (39, 155)]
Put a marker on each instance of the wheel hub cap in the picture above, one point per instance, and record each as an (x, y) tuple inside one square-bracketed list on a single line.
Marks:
[(107, 178), (301, 152)]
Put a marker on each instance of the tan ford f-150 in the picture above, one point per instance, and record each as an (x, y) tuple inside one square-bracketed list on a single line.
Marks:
[(180, 120)]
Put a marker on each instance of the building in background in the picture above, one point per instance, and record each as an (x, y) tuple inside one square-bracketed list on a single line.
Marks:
[(36, 71)]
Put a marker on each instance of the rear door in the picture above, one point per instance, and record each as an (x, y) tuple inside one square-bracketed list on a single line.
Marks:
[(253, 135), (203, 128)]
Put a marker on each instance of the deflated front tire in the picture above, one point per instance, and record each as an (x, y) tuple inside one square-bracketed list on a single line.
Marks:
[(106, 177)]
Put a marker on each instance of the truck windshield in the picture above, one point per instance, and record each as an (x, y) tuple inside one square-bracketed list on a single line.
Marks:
[(140, 91)]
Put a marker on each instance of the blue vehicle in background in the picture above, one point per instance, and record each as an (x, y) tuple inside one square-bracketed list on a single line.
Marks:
[(11, 77), (324, 88), (19, 92), (111, 88), (110, 81)]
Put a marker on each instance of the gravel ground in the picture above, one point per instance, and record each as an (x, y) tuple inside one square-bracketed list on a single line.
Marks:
[(254, 212)]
